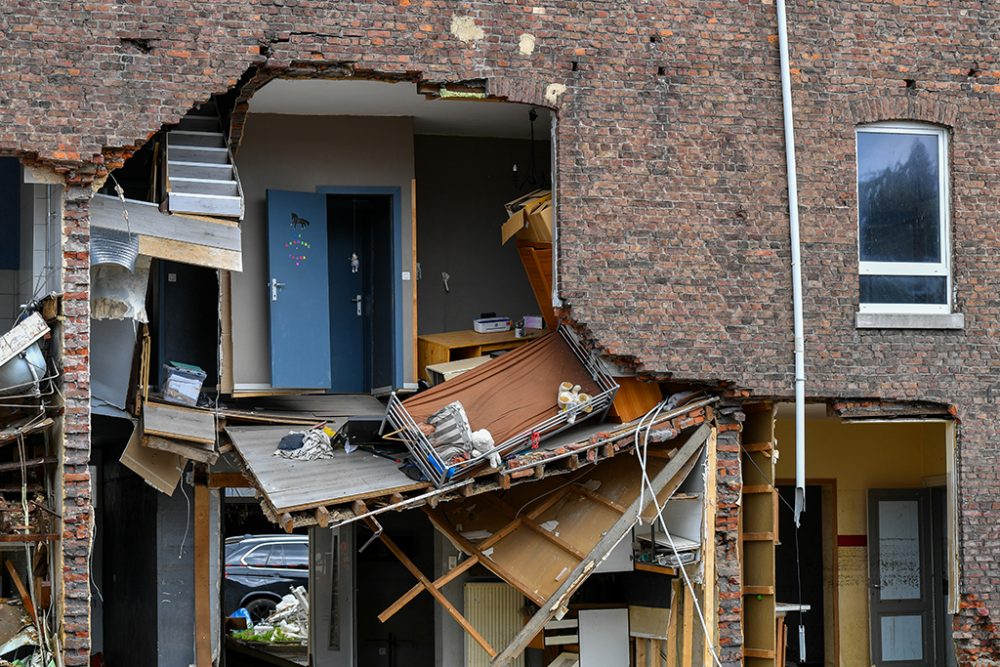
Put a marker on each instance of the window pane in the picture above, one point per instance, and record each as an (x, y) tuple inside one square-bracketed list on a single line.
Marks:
[(904, 289), (277, 558), (899, 549), (297, 555), (899, 213), (258, 557), (902, 638)]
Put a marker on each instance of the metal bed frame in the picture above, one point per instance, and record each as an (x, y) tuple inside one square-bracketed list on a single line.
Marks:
[(440, 473)]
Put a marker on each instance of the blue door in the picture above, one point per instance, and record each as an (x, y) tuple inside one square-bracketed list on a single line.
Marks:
[(298, 289)]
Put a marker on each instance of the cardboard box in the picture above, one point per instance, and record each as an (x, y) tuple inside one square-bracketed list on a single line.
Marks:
[(439, 373), (530, 218)]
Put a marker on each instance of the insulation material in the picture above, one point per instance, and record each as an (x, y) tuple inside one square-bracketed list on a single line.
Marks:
[(117, 293)]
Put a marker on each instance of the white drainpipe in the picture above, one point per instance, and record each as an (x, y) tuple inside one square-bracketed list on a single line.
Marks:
[(793, 218)]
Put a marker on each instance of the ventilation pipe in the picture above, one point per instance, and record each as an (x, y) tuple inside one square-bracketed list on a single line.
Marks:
[(793, 219)]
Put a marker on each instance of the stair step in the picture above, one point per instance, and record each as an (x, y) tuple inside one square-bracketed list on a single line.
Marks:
[(204, 186), (196, 138), (218, 172), (198, 154), (199, 123), (202, 204)]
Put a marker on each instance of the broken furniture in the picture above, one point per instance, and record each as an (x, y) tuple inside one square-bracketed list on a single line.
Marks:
[(513, 397), (449, 346), (438, 373), (546, 539)]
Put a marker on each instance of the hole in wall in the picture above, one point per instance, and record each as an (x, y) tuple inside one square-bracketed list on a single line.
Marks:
[(660, 71), (575, 65), (910, 83)]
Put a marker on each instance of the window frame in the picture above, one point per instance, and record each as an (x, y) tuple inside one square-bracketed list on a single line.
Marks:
[(935, 269)]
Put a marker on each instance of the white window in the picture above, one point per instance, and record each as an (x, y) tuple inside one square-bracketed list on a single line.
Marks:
[(903, 239)]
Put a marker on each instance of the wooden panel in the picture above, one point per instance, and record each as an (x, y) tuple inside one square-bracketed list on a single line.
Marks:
[(297, 485), (191, 253), (21, 336), (189, 450), (634, 398), (162, 470), (175, 421), (537, 261)]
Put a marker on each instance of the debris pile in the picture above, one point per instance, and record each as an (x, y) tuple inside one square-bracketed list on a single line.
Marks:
[(288, 623)]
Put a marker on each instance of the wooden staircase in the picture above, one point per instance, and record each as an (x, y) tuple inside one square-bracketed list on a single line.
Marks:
[(199, 173)]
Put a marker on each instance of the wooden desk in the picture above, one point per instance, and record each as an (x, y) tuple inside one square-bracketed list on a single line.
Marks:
[(453, 345)]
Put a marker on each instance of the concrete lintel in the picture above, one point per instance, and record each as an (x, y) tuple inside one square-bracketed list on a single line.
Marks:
[(909, 321)]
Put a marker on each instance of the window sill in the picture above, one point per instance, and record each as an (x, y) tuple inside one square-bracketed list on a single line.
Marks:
[(909, 321)]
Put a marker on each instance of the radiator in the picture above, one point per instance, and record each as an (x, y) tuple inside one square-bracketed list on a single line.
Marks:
[(494, 609)]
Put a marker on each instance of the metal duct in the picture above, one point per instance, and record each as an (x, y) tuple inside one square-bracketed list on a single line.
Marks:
[(113, 246)]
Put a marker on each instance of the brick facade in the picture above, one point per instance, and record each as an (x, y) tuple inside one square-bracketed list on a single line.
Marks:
[(673, 218)]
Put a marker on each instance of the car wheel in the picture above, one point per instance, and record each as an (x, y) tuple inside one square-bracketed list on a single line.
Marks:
[(259, 609)]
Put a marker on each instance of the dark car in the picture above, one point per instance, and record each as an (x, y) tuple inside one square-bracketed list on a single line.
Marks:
[(261, 569)]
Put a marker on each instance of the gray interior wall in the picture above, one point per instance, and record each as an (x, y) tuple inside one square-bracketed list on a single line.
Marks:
[(175, 575), (301, 153), (462, 185)]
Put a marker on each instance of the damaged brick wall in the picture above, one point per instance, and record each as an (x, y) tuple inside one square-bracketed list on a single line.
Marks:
[(77, 508), (672, 209), (729, 571)]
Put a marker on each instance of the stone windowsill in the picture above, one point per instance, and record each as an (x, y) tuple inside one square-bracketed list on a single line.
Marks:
[(909, 321)]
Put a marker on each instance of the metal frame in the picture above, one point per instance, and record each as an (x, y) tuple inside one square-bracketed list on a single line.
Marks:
[(439, 472)]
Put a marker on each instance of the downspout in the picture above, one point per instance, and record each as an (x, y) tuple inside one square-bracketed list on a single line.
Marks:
[(554, 170), (793, 219)]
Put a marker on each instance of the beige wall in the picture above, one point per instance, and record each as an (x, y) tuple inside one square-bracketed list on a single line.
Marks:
[(861, 457), (288, 152)]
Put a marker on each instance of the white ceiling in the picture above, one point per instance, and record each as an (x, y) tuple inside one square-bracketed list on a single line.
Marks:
[(469, 118)]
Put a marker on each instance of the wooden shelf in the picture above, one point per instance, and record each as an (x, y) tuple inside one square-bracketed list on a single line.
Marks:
[(758, 590), (767, 654), (758, 537)]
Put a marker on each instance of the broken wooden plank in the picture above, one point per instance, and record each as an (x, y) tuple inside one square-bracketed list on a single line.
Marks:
[(189, 450), (671, 472), (161, 470), (22, 591), (438, 595), (22, 336), (176, 421)]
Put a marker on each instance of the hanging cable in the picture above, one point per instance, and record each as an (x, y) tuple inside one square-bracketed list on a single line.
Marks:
[(709, 639)]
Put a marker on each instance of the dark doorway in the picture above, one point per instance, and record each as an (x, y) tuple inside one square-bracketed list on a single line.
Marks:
[(361, 292), (408, 637), (809, 568)]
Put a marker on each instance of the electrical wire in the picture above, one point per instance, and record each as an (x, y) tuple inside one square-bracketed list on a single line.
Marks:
[(709, 639)]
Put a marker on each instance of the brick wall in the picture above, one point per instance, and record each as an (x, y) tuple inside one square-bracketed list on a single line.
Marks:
[(672, 208)]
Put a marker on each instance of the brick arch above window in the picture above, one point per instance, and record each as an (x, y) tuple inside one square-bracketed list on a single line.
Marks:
[(904, 106)]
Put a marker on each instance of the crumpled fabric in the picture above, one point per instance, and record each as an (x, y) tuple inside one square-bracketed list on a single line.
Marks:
[(315, 445)]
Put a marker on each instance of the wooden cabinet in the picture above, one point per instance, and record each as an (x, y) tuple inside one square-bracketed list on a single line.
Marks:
[(453, 345)]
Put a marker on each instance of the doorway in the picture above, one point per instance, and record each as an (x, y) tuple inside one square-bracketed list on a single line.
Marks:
[(334, 289), (408, 637), (799, 570), (907, 577), (361, 292)]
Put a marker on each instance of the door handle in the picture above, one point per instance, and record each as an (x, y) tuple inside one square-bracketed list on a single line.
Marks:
[(357, 301), (275, 286)]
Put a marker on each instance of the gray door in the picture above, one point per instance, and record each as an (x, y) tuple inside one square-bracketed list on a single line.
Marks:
[(331, 597), (901, 599)]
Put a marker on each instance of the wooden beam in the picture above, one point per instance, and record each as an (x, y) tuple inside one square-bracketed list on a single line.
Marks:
[(202, 578), (438, 583), (189, 450), (179, 422), (600, 552), (22, 591), (322, 517), (228, 480), (429, 586)]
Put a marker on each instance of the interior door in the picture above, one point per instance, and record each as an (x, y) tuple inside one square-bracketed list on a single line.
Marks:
[(901, 600), (350, 298), (298, 290)]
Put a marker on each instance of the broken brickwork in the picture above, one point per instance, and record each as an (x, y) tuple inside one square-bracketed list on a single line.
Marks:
[(672, 206), (729, 488)]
